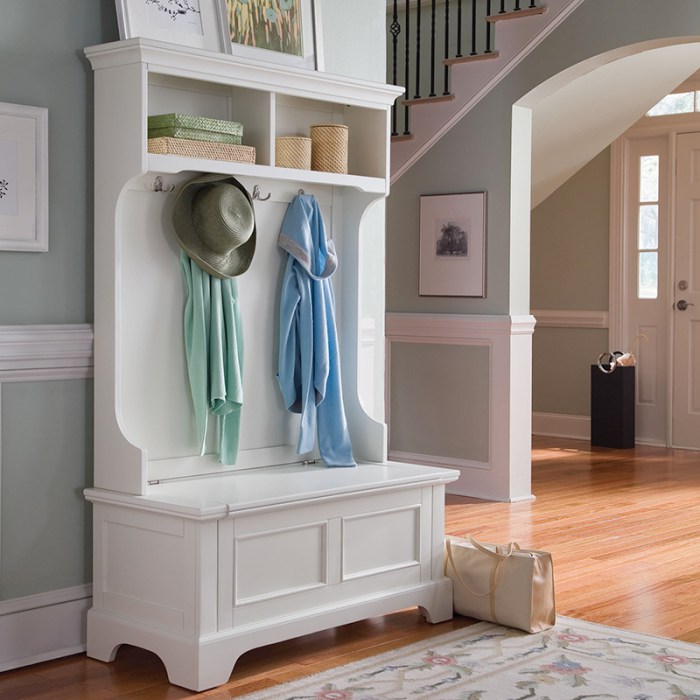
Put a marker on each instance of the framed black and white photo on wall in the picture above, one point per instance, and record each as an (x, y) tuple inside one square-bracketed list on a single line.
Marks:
[(453, 245)]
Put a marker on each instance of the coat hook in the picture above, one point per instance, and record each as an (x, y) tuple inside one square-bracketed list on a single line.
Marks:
[(256, 194), (158, 186), (302, 192)]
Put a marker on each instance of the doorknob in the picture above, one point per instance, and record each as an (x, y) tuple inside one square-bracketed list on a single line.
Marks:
[(682, 305)]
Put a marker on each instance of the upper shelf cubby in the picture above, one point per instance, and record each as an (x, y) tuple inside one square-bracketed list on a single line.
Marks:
[(268, 100)]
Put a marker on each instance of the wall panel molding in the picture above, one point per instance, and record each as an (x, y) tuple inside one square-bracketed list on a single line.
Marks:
[(46, 352), (505, 477), (564, 318), (48, 625)]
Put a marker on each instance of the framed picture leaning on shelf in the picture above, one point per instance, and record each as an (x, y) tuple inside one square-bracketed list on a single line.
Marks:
[(453, 245), (276, 31), (195, 23)]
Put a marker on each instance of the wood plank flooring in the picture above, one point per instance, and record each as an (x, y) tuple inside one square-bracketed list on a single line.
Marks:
[(623, 527)]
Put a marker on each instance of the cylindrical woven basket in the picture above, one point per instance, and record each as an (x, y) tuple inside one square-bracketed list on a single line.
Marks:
[(293, 152), (329, 148)]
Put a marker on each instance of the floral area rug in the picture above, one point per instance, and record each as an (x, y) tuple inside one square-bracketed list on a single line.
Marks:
[(575, 660)]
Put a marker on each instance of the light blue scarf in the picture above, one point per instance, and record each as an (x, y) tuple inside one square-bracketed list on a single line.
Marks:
[(309, 363), (214, 348)]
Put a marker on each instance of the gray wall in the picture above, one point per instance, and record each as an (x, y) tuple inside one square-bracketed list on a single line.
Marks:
[(569, 243), (475, 156), (46, 426)]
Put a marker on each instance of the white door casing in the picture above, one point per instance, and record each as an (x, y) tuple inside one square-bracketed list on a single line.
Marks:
[(644, 319), (664, 339)]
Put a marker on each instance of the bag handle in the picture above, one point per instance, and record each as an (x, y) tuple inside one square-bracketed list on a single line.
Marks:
[(496, 574), (498, 553)]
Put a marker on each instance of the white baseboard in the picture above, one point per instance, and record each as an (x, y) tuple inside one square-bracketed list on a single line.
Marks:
[(41, 627), (561, 425)]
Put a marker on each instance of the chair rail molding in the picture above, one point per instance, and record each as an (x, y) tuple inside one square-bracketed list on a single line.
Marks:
[(46, 352), (566, 318)]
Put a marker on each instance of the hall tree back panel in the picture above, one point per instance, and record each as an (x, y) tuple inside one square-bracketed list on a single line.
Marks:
[(194, 560)]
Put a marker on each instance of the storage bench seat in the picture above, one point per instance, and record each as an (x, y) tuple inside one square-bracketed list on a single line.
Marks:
[(201, 570)]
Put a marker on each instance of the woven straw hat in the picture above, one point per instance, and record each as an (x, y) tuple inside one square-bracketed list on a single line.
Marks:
[(214, 223)]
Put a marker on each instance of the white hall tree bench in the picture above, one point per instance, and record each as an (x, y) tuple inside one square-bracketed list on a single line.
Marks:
[(197, 561)]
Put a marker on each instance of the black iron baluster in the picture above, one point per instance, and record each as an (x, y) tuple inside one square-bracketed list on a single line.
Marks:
[(488, 28), (517, 5), (406, 69), (417, 95), (503, 7), (532, 3), (446, 77), (432, 49), (459, 29), (395, 29), (473, 51)]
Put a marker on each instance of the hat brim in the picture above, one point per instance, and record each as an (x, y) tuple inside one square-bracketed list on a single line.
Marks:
[(231, 264)]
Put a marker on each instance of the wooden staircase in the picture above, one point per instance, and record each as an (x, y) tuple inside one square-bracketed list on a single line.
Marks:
[(499, 33)]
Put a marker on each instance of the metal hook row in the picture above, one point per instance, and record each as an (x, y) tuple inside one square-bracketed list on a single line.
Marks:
[(159, 186), (256, 194)]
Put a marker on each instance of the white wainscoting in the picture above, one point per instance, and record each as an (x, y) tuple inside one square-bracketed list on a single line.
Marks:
[(48, 625), (560, 424), (44, 626), (506, 474)]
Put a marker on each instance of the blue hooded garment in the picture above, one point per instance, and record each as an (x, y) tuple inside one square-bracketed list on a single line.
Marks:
[(309, 364)]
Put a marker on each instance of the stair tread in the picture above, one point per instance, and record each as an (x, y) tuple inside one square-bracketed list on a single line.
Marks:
[(470, 58), (428, 100), (524, 12)]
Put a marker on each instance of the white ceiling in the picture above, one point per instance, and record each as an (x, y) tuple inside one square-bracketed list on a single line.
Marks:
[(579, 112)]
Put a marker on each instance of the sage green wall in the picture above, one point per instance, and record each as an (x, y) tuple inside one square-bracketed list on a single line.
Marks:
[(45, 523), (435, 428), (569, 244), (475, 156), (561, 361), (569, 239), (45, 427), (41, 54)]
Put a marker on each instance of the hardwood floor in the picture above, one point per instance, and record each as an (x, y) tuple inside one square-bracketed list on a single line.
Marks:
[(623, 527)]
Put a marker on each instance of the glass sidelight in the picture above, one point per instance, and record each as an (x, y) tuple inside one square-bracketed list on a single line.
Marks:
[(648, 228)]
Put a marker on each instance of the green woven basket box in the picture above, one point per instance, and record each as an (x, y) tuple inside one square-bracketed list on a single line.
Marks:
[(188, 126)]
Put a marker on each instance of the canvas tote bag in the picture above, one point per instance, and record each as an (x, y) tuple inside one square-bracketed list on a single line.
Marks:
[(501, 583)]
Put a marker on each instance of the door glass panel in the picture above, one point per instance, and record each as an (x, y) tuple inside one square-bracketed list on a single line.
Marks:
[(676, 103), (648, 226), (648, 275), (649, 179)]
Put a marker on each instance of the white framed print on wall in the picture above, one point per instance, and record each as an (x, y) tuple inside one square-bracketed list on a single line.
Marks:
[(453, 245), (24, 178), (275, 31), (194, 23)]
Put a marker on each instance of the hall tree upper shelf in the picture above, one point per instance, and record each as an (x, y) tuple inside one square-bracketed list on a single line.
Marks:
[(194, 560), (269, 102)]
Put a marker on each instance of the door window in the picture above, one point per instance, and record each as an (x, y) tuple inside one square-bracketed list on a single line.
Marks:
[(648, 228)]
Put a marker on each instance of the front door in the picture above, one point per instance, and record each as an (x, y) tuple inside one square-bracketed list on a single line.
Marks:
[(685, 419)]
